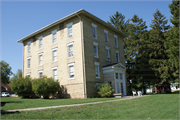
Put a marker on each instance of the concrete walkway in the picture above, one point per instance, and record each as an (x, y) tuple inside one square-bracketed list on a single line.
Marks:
[(42, 108)]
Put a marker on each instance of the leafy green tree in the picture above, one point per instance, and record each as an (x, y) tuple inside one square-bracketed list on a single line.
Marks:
[(172, 42), (158, 56), (5, 72), (17, 75), (22, 87), (105, 90), (45, 87)]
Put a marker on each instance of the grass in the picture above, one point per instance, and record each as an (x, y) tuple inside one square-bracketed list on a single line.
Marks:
[(160, 106), (19, 103)]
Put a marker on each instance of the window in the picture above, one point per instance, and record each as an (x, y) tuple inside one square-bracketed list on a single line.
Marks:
[(70, 49), (71, 70), (94, 30), (97, 73), (120, 76), (95, 49), (54, 54), (40, 42), (28, 74), (28, 62), (29, 46), (40, 58), (55, 72), (117, 76), (107, 54), (40, 73), (69, 28), (54, 36), (116, 41), (117, 56), (106, 36)]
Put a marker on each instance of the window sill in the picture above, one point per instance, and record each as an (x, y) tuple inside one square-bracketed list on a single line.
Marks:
[(54, 43), (97, 77), (54, 61), (70, 37), (96, 57), (40, 48), (116, 46), (70, 57), (95, 38), (71, 78), (107, 42), (40, 65)]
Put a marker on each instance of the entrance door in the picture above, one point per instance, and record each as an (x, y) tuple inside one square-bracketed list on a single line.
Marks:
[(118, 87), (122, 88)]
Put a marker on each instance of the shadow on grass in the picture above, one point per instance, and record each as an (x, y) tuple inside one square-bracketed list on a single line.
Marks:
[(3, 112)]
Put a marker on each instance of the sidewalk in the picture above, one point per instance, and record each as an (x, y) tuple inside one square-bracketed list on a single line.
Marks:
[(42, 108)]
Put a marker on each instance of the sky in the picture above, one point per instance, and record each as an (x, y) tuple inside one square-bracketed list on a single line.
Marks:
[(19, 18)]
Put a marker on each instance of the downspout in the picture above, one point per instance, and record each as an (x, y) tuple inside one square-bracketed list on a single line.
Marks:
[(83, 61)]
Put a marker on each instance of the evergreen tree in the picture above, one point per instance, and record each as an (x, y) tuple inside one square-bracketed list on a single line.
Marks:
[(118, 21), (158, 56), (172, 43)]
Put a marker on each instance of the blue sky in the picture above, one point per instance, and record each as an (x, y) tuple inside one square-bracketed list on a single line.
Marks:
[(21, 18)]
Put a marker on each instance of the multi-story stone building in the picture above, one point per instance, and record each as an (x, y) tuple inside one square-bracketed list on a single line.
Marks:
[(80, 50)]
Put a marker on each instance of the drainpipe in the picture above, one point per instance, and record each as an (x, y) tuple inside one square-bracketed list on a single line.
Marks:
[(83, 61)]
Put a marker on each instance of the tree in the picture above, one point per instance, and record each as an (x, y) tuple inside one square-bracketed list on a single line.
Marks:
[(17, 75), (22, 87), (5, 72), (172, 42), (45, 87), (118, 21), (158, 56)]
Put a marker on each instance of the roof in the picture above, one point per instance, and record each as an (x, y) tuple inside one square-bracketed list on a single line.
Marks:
[(112, 64), (82, 11), (5, 86)]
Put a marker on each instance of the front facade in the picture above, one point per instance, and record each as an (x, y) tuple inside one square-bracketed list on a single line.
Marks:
[(80, 51)]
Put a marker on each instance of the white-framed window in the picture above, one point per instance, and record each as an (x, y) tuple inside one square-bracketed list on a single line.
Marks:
[(116, 41), (54, 54), (28, 74), (40, 73), (40, 58), (106, 36), (55, 72), (95, 49), (54, 36), (69, 30), (28, 62), (70, 49), (71, 70), (117, 56), (97, 73), (107, 53), (40, 42), (117, 76), (29, 46), (120, 76), (94, 27)]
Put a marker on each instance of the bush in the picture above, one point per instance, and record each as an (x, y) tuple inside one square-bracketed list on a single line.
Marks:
[(45, 87), (22, 87), (105, 90)]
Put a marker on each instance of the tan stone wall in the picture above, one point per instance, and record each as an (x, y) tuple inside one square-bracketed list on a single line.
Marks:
[(62, 57), (89, 52)]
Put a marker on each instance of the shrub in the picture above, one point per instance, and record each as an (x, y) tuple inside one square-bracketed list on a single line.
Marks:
[(45, 87), (22, 87), (105, 90)]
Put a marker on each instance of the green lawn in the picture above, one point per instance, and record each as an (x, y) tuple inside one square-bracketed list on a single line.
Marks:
[(19, 103), (160, 106)]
